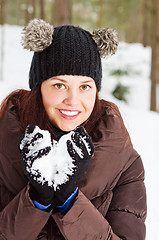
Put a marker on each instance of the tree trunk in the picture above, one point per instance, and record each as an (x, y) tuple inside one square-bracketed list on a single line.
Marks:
[(26, 12), (100, 13), (63, 12), (157, 61), (155, 57), (42, 12), (145, 13), (34, 8), (2, 4), (20, 12), (2, 21), (29, 11)]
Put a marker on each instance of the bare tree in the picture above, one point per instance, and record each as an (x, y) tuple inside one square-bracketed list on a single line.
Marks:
[(63, 11), (2, 4), (29, 10), (2, 21), (155, 57), (100, 13), (145, 30), (42, 11), (19, 12)]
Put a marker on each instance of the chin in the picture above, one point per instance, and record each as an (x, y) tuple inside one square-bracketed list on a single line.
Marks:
[(68, 128)]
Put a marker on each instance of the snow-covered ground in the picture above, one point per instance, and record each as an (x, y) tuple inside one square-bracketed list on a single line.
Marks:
[(142, 124)]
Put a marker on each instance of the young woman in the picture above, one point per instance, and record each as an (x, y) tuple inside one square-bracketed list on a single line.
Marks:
[(68, 169)]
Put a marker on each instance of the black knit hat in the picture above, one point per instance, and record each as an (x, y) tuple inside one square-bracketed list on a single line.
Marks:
[(69, 51)]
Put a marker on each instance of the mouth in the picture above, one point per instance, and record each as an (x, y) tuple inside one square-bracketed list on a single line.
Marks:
[(69, 114)]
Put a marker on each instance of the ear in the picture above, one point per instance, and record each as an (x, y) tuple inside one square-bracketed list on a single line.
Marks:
[(37, 35), (106, 40)]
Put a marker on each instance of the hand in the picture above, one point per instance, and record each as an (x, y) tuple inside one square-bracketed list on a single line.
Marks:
[(55, 170), (36, 149), (81, 149)]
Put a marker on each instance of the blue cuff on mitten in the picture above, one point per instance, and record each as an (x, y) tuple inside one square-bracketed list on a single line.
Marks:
[(40, 206), (65, 206)]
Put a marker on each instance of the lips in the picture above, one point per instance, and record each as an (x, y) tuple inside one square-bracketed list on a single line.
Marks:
[(69, 114)]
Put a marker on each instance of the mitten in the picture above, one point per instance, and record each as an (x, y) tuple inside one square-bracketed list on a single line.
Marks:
[(36, 151), (80, 149)]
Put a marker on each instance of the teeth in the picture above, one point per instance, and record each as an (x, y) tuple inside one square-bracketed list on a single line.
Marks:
[(69, 113)]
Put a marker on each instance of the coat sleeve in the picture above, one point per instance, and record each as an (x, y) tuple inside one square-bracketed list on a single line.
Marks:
[(128, 206), (124, 219), (84, 221), (20, 219)]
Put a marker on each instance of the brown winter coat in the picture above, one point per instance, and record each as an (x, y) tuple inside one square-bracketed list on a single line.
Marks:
[(111, 203)]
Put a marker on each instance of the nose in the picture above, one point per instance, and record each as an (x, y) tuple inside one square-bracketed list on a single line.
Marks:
[(71, 98)]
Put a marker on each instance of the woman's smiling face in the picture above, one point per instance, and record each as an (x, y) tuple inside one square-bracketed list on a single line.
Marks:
[(68, 100)]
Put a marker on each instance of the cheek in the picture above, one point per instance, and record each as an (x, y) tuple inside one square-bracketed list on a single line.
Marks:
[(49, 100), (89, 103), (49, 105)]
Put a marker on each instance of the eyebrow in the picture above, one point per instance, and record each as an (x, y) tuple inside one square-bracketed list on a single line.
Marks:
[(56, 78), (62, 80)]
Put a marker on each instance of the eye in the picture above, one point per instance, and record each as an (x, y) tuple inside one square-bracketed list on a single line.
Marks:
[(59, 86), (85, 87)]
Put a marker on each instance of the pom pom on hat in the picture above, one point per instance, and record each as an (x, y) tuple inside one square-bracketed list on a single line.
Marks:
[(66, 50), (106, 40), (37, 35)]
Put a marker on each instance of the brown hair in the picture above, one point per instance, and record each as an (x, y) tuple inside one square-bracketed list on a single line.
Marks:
[(30, 110)]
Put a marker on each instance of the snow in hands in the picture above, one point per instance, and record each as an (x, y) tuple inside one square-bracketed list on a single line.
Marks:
[(50, 162)]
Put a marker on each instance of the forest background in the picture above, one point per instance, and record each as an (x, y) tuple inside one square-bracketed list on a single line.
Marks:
[(135, 20)]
